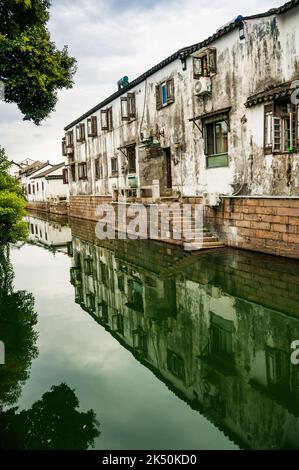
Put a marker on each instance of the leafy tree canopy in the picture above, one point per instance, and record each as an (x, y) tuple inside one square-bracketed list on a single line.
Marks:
[(12, 205), (31, 67)]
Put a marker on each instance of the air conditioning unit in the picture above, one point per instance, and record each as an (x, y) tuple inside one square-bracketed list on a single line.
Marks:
[(203, 86)]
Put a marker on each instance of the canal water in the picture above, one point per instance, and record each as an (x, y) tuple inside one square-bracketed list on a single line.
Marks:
[(140, 345)]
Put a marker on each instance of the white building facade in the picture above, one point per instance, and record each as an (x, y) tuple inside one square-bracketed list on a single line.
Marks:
[(215, 117), (48, 185)]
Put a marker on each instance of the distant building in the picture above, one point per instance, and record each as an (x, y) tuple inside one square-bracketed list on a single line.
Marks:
[(49, 185), (27, 174), (14, 169)]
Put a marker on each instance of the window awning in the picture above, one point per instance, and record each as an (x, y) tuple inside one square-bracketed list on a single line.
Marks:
[(278, 92), (212, 117)]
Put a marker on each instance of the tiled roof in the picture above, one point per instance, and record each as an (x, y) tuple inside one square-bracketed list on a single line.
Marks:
[(48, 171), (283, 90)]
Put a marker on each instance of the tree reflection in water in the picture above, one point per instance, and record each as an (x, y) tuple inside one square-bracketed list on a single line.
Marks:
[(53, 422)]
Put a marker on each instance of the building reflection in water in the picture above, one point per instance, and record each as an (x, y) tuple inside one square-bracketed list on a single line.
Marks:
[(216, 328), (53, 233)]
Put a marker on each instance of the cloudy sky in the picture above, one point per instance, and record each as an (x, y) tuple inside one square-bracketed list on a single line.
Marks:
[(111, 39)]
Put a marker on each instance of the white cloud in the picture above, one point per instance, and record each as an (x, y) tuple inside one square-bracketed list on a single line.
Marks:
[(110, 40)]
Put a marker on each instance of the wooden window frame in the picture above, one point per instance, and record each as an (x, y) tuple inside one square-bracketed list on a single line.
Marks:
[(170, 93), (92, 126), (132, 169), (73, 172), (70, 139), (65, 176), (98, 168), (82, 174), (80, 132), (128, 107), (279, 120), (108, 124), (63, 146), (221, 160), (205, 64), (114, 172)]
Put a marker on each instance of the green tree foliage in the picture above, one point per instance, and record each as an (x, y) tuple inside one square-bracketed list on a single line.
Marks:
[(52, 423), (17, 321), (12, 205), (31, 67)]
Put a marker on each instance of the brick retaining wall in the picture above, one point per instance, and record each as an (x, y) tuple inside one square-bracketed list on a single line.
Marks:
[(59, 208), (267, 225), (84, 207)]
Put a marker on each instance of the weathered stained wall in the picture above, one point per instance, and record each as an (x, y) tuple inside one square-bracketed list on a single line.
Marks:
[(171, 122), (268, 56)]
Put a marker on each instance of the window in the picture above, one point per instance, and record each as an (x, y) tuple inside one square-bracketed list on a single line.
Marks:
[(64, 153), (175, 364), (98, 168), (114, 165), (103, 308), (37, 187), (80, 132), (70, 138), (278, 366), (165, 94), (139, 340), (104, 274), (106, 119), (128, 107), (92, 126), (121, 282), (281, 127), (88, 266), (205, 65), (135, 296), (131, 156), (32, 229), (216, 142), (43, 186), (91, 302), (118, 323), (73, 172), (83, 171), (33, 189), (65, 176), (221, 335), (29, 188)]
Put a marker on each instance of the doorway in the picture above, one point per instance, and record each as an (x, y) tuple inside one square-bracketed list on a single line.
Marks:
[(167, 174)]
